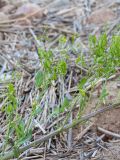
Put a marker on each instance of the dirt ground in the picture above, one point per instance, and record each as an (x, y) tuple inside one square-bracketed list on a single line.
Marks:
[(20, 25)]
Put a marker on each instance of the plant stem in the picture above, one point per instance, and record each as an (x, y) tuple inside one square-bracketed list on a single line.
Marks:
[(10, 155)]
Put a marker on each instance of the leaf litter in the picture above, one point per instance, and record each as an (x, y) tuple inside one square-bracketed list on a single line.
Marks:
[(29, 25)]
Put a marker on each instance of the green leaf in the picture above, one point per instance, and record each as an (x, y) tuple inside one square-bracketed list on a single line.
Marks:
[(26, 137), (37, 110), (56, 112), (78, 60), (65, 105), (11, 88), (62, 40), (39, 79), (82, 92), (82, 83), (62, 67), (103, 94), (9, 108)]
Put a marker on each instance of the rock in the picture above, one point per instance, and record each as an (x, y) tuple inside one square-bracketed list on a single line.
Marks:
[(101, 16), (30, 9), (27, 12)]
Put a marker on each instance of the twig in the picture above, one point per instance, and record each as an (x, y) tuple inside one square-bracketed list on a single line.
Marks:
[(35, 37), (108, 132), (113, 26), (96, 83), (69, 139), (38, 125), (10, 155), (57, 29), (83, 132)]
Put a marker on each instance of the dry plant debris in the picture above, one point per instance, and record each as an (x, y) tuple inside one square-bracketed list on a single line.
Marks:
[(97, 16), (62, 27)]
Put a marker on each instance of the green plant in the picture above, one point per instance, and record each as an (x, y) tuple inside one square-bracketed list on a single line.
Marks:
[(104, 60), (103, 94), (16, 126), (105, 55)]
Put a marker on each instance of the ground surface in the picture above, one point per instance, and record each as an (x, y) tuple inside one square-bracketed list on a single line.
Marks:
[(19, 29)]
